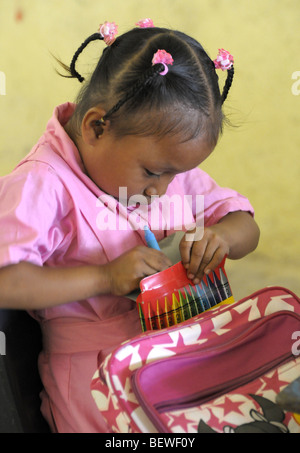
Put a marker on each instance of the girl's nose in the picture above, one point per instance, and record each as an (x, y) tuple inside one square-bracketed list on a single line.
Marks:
[(159, 187)]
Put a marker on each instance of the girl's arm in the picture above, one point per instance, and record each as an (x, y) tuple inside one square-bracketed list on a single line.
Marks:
[(30, 287), (235, 235)]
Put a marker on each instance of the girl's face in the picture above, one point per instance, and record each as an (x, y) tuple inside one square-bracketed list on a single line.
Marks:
[(143, 165)]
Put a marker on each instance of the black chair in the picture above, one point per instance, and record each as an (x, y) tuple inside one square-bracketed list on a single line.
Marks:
[(20, 384)]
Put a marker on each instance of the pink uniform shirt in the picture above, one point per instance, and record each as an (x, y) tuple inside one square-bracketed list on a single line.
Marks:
[(52, 214)]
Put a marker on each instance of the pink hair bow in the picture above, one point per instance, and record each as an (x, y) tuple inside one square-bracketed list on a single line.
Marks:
[(108, 31), (145, 23), (161, 56), (224, 60)]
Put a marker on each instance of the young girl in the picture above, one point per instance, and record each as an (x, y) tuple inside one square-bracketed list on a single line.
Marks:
[(72, 248)]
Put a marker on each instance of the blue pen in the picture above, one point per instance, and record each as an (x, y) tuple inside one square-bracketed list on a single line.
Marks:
[(150, 238)]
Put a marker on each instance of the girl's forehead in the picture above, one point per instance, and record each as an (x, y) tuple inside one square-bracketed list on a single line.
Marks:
[(168, 153)]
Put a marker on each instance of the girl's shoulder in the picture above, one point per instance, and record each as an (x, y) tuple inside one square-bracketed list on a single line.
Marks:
[(195, 178), (34, 183)]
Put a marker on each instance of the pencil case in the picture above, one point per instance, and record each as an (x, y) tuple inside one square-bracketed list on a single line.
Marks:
[(169, 297)]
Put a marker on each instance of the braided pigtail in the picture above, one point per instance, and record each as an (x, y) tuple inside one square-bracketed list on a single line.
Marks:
[(140, 84), (161, 60), (73, 71), (224, 61), (228, 83), (106, 33)]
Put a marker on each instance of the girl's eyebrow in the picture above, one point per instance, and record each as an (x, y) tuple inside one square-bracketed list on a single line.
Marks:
[(163, 169), (172, 169)]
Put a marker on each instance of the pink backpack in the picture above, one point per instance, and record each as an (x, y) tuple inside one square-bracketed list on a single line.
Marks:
[(220, 371)]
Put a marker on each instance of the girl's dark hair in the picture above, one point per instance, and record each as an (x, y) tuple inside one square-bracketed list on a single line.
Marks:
[(138, 100)]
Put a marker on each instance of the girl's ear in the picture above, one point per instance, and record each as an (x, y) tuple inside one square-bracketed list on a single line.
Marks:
[(93, 126)]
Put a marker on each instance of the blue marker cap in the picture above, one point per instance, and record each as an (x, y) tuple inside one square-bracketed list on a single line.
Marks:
[(150, 238)]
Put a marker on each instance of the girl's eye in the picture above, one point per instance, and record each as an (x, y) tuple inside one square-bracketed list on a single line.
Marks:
[(150, 173)]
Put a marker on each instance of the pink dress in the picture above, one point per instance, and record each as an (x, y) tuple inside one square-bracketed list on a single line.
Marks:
[(52, 214)]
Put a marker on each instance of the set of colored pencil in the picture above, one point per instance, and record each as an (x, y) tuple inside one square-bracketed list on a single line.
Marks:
[(185, 303)]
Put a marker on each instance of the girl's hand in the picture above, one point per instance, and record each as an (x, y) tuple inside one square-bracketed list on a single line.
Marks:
[(203, 256), (125, 272), (235, 235)]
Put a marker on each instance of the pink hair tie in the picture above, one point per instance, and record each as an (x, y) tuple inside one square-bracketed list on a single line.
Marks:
[(145, 23), (224, 60), (108, 31), (163, 57)]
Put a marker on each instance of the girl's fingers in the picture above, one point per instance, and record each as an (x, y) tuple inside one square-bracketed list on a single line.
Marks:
[(211, 264), (204, 255), (185, 252), (185, 247), (198, 259), (126, 271), (156, 260)]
